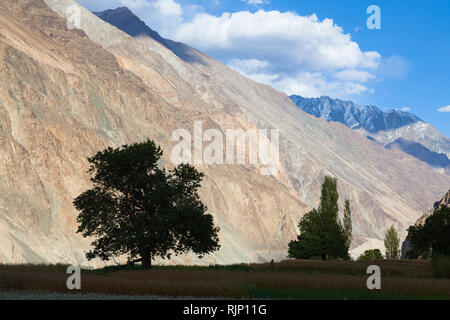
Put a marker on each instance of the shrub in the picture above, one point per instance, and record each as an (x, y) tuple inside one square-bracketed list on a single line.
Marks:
[(369, 255)]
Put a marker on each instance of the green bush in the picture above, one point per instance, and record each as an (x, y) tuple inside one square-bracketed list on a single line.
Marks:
[(370, 255), (441, 266)]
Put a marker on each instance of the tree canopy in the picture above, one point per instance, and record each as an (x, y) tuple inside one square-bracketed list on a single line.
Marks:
[(369, 255), (321, 233), (431, 237), (139, 210)]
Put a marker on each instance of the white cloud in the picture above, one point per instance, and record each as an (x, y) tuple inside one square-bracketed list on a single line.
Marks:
[(354, 75), (444, 109), (256, 2), (248, 66), (404, 109), (301, 55), (100, 5), (168, 8), (307, 84), (162, 15), (293, 53), (280, 37)]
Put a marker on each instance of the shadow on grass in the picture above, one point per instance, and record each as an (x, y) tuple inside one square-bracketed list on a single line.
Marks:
[(138, 267), (327, 294)]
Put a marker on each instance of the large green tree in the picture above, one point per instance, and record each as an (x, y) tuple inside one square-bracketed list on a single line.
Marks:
[(321, 233), (392, 244), (431, 237), (138, 210)]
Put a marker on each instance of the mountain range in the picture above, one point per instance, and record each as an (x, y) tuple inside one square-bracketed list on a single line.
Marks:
[(67, 93), (394, 129)]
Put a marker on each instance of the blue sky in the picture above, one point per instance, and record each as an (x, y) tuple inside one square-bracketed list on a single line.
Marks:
[(320, 47)]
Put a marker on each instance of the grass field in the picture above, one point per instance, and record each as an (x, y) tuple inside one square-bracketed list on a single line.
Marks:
[(401, 279)]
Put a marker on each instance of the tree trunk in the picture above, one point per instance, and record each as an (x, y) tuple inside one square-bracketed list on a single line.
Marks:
[(324, 257), (146, 261)]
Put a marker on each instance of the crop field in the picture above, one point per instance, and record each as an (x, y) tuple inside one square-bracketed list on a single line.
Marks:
[(400, 279)]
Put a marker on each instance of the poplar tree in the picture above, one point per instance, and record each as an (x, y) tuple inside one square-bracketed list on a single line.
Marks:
[(392, 244), (321, 233), (348, 228)]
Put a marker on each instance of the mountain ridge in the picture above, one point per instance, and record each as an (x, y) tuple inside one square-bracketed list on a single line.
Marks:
[(126, 20), (354, 116), (392, 128), (417, 150)]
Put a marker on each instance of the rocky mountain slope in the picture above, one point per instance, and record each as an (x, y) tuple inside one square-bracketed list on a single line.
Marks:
[(65, 94), (394, 127), (417, 150), (62, 98), (444, 202)]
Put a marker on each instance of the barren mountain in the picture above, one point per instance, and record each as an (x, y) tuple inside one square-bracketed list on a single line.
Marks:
[(65, 94), (417, 150), (419, 132), (63, 98)]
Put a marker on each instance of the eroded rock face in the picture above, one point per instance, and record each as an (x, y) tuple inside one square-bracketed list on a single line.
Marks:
[(445, 202), (65, 94)]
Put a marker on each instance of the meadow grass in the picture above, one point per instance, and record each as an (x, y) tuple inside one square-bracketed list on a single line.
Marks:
[(401, 279), (441, 267)]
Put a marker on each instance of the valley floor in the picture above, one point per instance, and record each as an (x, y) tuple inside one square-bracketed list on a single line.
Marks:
[(401, 279)]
